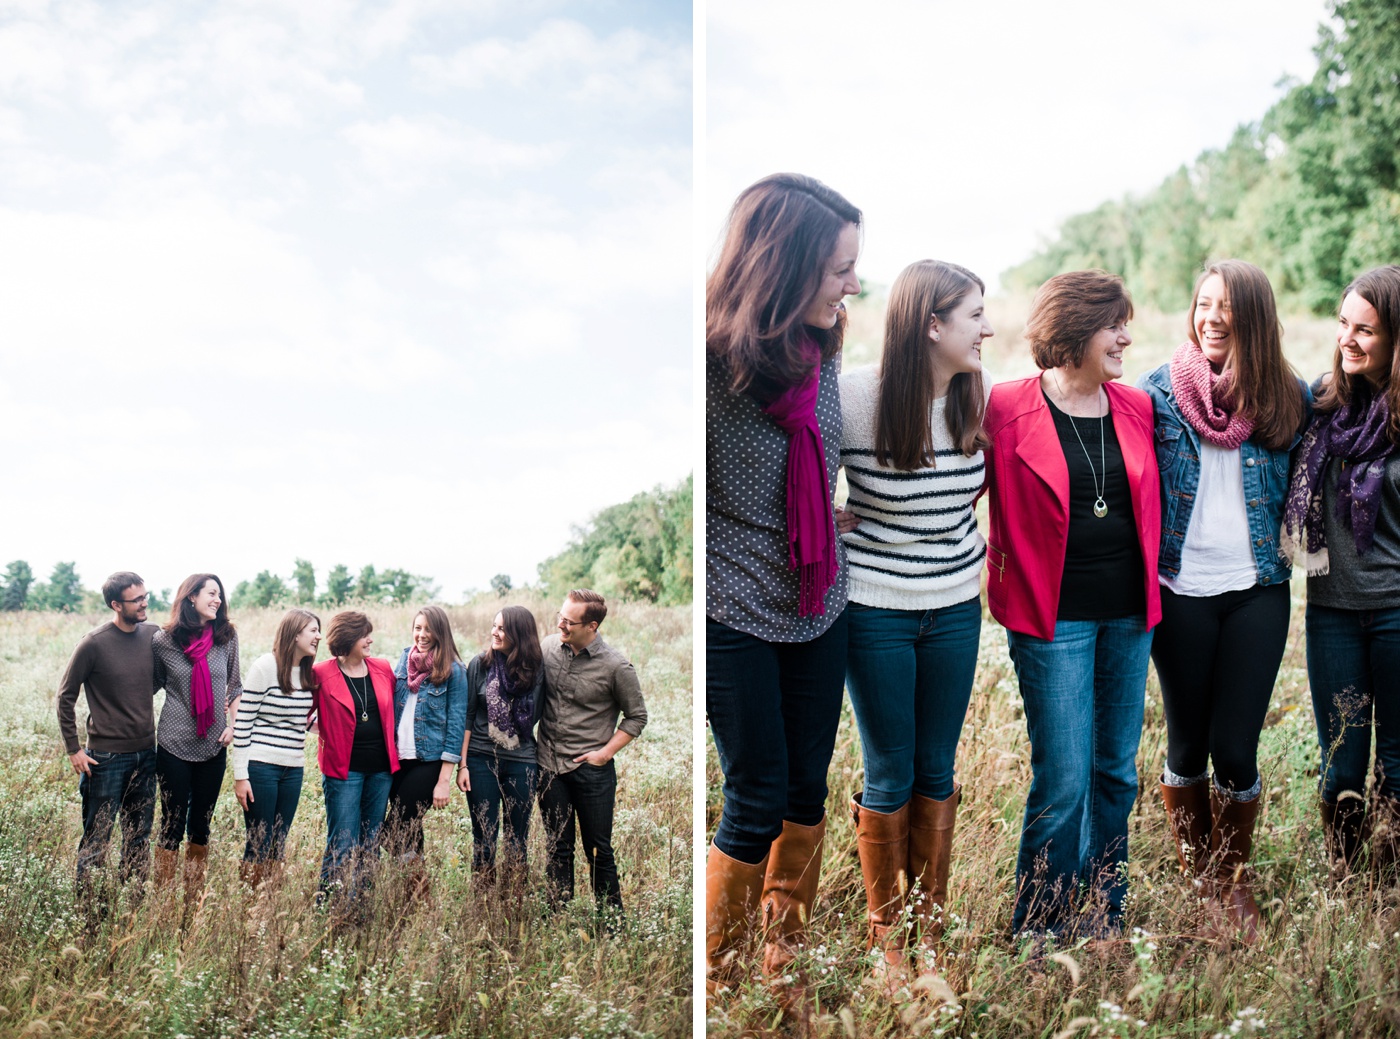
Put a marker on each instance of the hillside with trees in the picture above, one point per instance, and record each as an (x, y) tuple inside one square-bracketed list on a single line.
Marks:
[(1310, 193)]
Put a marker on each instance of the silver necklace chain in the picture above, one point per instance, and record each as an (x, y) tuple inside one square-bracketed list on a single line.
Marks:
[(362, 699), (1100, 506)]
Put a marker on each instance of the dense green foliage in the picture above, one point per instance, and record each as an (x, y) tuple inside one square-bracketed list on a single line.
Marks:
[(1310, 193), (641, 549), (382, 586)]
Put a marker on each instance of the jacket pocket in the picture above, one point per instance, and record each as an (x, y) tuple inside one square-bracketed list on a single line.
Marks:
[(996, 577)]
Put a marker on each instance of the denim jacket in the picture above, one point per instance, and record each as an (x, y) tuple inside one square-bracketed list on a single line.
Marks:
[(440, 717), (1179, 461)]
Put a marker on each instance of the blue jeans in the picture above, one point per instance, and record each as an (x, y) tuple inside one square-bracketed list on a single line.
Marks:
[(497, 784), (276, 791), (355, 809), (586, 794), (773, 708), (1354, 672), (1083, 694), (118, 786), (910, 676)]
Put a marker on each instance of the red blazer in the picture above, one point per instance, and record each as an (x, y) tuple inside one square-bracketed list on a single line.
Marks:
[(335, 706), (1028, 481)]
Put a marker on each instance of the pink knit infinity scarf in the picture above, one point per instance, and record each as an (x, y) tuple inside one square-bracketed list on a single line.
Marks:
[(420, 666), (810, 520), (201, 685), (1207, 400)]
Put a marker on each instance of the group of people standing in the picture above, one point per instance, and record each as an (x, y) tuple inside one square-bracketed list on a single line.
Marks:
[(1125, 524), (523, 720)]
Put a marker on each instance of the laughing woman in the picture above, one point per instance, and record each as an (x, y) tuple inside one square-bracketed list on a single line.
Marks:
[(1344, 511), (912, 445), (196, 661), (1228, 410), (1072, 575), (430, 707), (269, 741), (358, 754), (499, 754), (775, 595)]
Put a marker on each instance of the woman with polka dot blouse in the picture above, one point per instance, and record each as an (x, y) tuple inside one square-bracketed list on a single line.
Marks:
[(775, 570)]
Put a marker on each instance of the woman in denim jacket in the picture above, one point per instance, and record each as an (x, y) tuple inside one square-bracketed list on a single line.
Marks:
[(1227, 411), (430, 716)]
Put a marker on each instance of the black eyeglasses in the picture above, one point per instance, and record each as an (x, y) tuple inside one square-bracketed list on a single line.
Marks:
[(143, 600), (559, 618)]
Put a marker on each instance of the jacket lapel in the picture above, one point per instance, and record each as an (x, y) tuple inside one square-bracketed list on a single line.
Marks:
[(1039, 447)]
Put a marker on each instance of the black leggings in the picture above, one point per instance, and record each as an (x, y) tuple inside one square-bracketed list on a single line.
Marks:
[(410, 797), (1217, 657), (188, 792)]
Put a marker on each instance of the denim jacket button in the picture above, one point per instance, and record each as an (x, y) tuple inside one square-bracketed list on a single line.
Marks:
[(1249, 461), (1253, 503), (1259, 541)]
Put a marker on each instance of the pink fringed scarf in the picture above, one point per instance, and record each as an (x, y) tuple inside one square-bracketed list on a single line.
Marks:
[(810, 521), (201, 685), (420, 666), (1207, 400)]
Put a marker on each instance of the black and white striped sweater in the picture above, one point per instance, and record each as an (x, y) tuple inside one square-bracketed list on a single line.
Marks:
[(917, 546), (271, 724)]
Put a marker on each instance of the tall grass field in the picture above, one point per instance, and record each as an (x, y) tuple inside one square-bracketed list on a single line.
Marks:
[(1328, 965), (462, 961)]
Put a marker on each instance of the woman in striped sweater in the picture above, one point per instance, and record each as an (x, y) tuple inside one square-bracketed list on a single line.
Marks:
[(269, 740), (912, 445)]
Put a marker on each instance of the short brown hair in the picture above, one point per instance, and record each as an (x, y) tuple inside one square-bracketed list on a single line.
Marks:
[(346, 629), (1069, 309), (114, 586), (595, 607)]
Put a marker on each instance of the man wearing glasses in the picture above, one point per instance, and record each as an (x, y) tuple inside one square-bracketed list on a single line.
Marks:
[(587, 684), (115, 665)]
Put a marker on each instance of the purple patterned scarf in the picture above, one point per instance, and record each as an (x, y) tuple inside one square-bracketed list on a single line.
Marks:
[(1359, 435), (510, 710), (810, 519)]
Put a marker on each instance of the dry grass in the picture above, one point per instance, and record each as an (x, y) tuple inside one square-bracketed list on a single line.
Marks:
[(458, 964), (1329, 965)]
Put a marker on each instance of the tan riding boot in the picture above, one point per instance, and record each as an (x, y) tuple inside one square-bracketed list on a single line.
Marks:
[(1385, 839), (251, 873), (732, 890), (789, 891), (1189, 813), (1232, 841), (930, 858), (196, 862), (882, 838), (163, 871)]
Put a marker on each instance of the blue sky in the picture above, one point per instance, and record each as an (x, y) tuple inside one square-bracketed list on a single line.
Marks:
[(403, 283)]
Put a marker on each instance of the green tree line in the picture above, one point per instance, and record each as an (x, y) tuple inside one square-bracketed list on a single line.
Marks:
[(1310, 192), (640, 549)]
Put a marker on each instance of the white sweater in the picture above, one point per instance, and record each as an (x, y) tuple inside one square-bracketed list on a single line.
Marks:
[(271, 724), (917, 547)]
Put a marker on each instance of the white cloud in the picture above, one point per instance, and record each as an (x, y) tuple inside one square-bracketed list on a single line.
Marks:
[(407, 153)]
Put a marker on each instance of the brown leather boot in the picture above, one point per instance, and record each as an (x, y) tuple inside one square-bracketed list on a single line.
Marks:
[(732, 890), (1232, 841), (1189, 812), (1385, 839), (163, 871), (251, 873), (1344, 824), (789, 890), (930, 857), (882, 839), (196, 862)]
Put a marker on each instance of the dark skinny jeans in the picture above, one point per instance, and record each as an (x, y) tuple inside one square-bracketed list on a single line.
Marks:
[(188, 792)]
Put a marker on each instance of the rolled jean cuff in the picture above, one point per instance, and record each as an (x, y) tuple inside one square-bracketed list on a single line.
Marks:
[(1170, 778), (1241, 795)]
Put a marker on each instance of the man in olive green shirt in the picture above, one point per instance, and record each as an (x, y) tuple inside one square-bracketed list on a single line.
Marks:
[(587, 685)]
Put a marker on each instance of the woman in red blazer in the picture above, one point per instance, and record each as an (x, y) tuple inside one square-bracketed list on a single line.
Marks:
[(1072, 575), (354, 705)]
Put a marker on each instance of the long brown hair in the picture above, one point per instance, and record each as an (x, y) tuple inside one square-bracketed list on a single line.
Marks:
[(1265, 386), (903, 437), (444, 645), (185, 625), (284, 647), (1379, 287), (780, 235), (523, 654)]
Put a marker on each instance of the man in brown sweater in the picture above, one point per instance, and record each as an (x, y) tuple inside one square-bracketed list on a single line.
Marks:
[(114, 664)]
